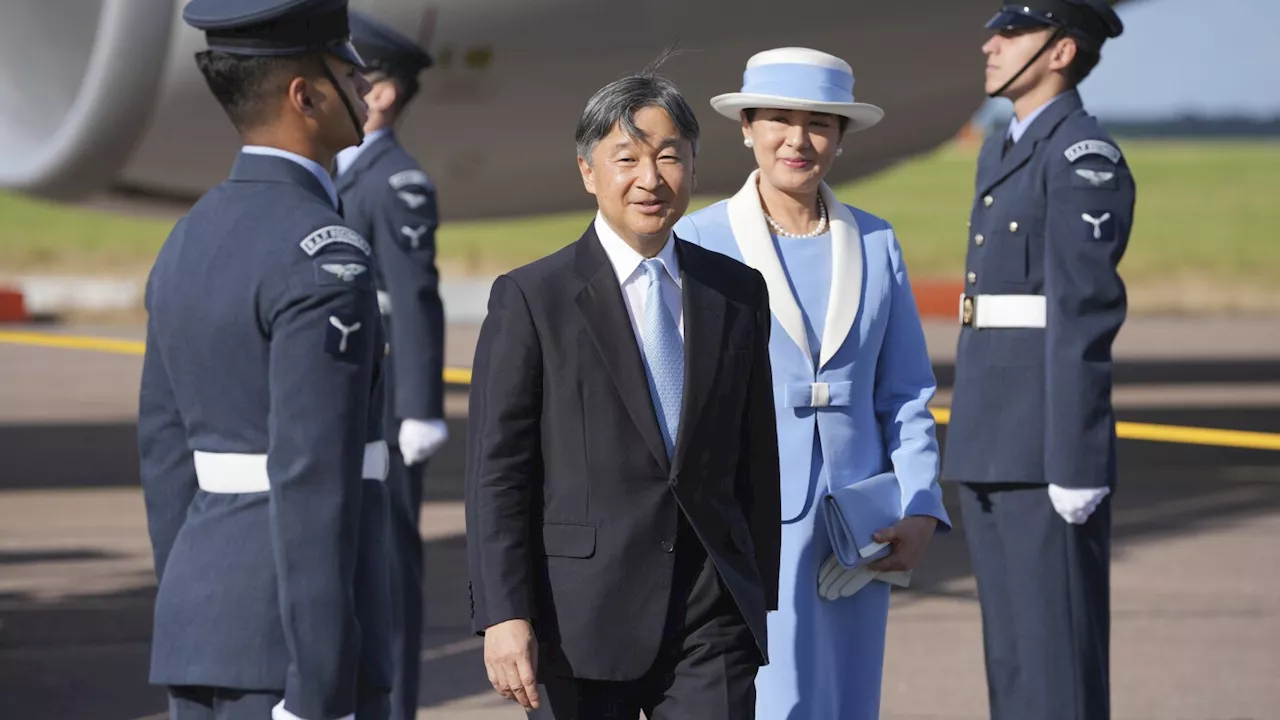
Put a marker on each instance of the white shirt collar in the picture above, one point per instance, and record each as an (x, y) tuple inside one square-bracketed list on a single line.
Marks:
[(624, 258), (311, 165), (1018, 127), (348, 156)]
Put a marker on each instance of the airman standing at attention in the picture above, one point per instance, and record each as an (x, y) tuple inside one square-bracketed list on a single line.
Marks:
[(1032, 434), (392, 202)]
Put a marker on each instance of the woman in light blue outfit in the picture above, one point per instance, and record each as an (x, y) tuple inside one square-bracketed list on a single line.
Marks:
[(852, 379)]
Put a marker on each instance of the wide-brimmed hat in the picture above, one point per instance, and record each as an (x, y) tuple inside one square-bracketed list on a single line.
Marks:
[(799, 79)]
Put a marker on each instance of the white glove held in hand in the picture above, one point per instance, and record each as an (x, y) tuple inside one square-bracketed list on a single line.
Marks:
[(1075, 505), (836, 581), (420, 439)]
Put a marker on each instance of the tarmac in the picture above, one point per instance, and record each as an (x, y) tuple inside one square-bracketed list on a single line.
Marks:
[(1195, 581)]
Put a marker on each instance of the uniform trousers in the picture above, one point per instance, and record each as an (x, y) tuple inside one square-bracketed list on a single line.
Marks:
[(706, 666), (404, 487), (1044, 589), (210, 703)]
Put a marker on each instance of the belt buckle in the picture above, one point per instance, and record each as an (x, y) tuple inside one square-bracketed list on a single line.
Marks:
[(966, 311)]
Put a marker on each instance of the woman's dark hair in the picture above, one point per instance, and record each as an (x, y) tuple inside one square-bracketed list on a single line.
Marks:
[(844, 121)]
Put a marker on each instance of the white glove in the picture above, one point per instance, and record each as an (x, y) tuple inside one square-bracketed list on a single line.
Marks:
[(420, 439), (279, 713), (836, 581), (1075, 505)]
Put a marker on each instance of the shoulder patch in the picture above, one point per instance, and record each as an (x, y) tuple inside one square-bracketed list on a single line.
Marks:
[(1092, 147), (408, 177), (314, 242), (341, 271), (1098, 179)]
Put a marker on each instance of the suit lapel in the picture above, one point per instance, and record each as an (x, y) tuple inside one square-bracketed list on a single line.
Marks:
[(1018, 156), (1023, 150), (746, 219), (704, 332), (989, 162), (846, 276), (602, 307)]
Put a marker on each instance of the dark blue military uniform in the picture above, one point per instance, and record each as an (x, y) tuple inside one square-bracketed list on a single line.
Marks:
[(1032, 398), (390, 200), (260, 431)]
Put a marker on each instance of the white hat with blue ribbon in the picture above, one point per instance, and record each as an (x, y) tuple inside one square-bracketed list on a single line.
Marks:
[(796, 78)]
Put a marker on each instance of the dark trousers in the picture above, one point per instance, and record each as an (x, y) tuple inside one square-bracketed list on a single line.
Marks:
[(705, 669), (210, 703), (1044, 588), (404, 487)]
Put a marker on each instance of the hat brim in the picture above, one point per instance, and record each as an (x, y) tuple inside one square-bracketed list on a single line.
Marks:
[(347, 52), (861, 115)]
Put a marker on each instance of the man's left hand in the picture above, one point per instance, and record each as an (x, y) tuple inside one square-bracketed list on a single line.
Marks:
[(420, 439), (909, 537)]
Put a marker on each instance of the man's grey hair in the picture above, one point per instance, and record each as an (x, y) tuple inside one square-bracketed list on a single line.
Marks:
[(617, 103)]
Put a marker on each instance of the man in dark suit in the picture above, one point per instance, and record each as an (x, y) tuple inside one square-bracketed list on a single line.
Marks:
[(388, 199), (1032, 434), (622, 485)]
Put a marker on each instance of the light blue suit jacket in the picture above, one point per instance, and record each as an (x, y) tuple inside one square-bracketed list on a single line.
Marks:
[(868, 392)]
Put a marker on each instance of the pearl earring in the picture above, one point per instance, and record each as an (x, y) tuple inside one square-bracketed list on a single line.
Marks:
[(746, 142), (838, 151)]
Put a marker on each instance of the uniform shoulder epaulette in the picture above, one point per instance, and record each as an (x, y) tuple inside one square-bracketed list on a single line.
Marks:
[(330, 234)]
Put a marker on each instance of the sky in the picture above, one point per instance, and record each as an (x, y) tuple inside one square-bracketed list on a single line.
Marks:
[(1213, 58)]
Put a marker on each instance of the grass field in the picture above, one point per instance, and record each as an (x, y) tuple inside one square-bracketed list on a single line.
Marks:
[(1208, 214)]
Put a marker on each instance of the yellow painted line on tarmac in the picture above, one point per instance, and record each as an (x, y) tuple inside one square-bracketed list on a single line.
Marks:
[(1198, 436), (1177, 434), (458, 376), (74, 342)]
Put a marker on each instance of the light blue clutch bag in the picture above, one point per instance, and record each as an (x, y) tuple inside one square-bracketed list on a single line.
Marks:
[(857, 511)]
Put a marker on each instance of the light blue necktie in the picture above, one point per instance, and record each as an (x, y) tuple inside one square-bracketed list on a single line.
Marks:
[(663, 356)]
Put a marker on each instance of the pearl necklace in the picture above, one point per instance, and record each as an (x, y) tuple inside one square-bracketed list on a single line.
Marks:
[(822, 224)]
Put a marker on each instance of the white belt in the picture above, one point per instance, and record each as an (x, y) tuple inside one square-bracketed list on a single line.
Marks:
[(384, 302), (247, 472), (1002, 311)]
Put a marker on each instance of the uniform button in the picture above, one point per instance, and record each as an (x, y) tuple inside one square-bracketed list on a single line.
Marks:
[(1013, 226), (988, 200), (972, 277), (968, 223), (979, 239), (667, 546)]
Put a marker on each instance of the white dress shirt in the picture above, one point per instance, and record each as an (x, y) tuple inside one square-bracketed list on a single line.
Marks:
[(635, 284), (312, 167)]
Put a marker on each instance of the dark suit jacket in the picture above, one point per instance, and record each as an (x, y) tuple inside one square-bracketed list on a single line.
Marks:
[(571, 502)]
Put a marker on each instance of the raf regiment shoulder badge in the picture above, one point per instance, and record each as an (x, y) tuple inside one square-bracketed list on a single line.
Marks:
[(330, 234), (1092, 147)]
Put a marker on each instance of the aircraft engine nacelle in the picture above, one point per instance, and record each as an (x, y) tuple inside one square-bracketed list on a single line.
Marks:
[(78, 81), (104, 95)]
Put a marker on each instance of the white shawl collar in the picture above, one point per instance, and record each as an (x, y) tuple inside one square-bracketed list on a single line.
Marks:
[(746, 219)]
